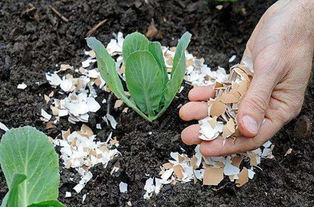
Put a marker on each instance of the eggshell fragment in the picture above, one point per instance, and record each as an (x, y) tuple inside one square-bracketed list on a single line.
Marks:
[(178, 171), (21, 86), (118, 103), (229, 98), (212, 176), (243, 177), (217, 108)]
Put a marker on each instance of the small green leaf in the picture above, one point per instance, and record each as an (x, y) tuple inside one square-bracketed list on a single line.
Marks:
[(145, 81), (177, 73), (27, 151), (107, 68), (52, 203), (132, 43), (179, 57), (11, 199), (155, 49)]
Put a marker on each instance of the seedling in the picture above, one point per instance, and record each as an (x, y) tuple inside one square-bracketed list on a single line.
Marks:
[(151, 90), (31, 169)]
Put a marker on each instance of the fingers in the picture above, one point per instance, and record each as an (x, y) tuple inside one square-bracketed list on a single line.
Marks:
[(201, 93), (241, 144), (193, 111), (197, 110), (190, 135)]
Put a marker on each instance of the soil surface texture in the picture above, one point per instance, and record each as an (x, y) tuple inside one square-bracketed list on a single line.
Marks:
[(33, 41)]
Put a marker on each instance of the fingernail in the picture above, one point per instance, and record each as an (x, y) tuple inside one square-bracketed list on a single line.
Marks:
[(250, 124)]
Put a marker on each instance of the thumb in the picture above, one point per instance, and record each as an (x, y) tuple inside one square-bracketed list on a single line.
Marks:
[(253, 106)]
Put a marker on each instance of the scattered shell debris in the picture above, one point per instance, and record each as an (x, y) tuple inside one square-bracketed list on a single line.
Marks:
[(45, 116), (68, 194), (152, 186), (81, 151), (81, 94), (288, 152), (232, 58), (123, 187), (238, 168), (84, 198), (21, 86), (3, 127)]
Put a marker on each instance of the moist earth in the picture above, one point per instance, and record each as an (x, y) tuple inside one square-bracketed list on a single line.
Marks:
[(32, 42)]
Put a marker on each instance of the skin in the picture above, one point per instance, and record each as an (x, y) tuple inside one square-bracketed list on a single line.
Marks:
[(280, 50)]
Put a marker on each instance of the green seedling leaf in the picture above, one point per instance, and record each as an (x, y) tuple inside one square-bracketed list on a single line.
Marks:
[(144, 80), (11, 199), (48, 204), (155, 49), (30, 166), (107, 68), (132, 43), (179, 62), (177, 73)]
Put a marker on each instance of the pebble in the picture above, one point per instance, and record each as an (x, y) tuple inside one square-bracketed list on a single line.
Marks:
[(303, 127)]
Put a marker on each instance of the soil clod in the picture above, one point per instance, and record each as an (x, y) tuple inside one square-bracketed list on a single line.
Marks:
[(303, 127)]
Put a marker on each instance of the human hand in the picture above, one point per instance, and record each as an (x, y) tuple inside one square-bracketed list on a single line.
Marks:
[(281, 50)]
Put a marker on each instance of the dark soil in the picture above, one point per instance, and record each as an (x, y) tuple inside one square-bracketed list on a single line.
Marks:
[(31, 43)]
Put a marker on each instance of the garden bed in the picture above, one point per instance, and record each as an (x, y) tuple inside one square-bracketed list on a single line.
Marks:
[(32, 42)]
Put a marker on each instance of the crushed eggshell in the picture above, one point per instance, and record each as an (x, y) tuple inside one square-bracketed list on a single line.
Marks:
[(109, 119), (289, 151), (21, 86), (123, 187), (212, 176), (3, 127), (118, 103), (232, 58), (45, 116), (68, 194), (243, 177), (81, 151), (64, 67), (228, 95), (152, 187), (83, 198)]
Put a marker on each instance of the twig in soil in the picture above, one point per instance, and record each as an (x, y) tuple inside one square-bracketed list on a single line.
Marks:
[(31, 12), (108, 102), (59, 14), (30, 9), (95, 27)]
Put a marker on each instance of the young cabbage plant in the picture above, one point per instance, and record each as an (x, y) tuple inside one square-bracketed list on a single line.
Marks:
[(145, 73), (31, 169)]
